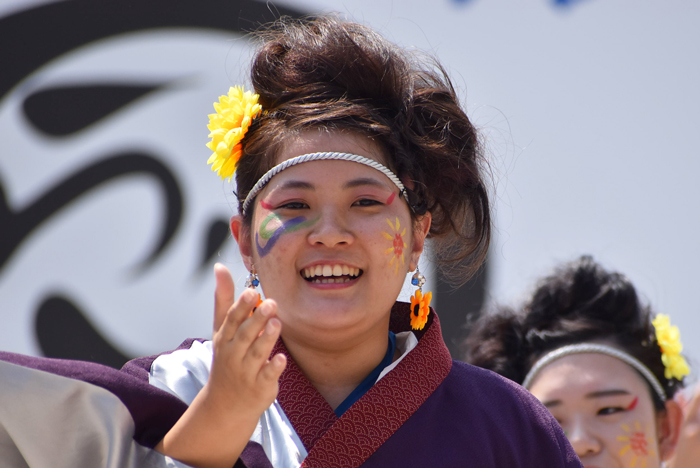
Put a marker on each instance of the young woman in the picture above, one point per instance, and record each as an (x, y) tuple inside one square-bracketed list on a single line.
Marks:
[(348, 156), (597, 358)]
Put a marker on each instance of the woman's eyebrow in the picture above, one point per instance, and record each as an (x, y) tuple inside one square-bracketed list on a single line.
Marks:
[(364, 181), (295, 184), (605, 393)]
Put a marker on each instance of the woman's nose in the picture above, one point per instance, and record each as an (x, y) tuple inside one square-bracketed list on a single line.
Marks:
[(331, 230), (583, 439)]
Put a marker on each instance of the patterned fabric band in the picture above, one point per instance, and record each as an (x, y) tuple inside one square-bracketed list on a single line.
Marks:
[(319, 157), (599, 349)]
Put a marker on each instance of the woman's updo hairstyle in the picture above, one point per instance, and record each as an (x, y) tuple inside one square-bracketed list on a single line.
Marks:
[(580, 302), (332, 75)]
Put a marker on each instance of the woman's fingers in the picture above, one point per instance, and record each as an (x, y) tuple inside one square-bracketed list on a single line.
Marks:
[(252, 329), (237, 315), (223, 295), (242, 347), (272, 370), (259, 351)]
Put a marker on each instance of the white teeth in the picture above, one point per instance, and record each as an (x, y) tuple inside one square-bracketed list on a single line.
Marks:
[(329, 271)]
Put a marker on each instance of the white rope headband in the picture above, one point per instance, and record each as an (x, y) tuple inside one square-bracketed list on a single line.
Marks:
[(599, 349), (262, 182)]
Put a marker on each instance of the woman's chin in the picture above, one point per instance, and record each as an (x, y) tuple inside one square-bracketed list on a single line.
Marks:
[(332, 318)]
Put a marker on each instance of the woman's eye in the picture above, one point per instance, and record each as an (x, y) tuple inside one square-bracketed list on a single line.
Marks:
[(367, 202), (610, 410), (293, 206)]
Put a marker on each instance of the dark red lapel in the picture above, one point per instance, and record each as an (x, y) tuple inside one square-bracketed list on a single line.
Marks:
[(347, 442), (306, 409)]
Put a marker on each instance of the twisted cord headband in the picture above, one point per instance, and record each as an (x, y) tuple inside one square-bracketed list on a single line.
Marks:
[(323, 156), (598, 349)]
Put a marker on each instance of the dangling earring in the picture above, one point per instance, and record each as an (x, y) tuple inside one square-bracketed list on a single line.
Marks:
[(420, 304), (252, 282)]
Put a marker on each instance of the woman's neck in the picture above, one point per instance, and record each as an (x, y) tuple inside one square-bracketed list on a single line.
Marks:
[(337, 369)]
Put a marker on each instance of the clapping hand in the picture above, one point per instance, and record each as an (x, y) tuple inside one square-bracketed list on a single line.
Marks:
[(243, 382)]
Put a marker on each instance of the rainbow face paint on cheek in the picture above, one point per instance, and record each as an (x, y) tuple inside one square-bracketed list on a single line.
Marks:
[(398, 244), (283, 227)]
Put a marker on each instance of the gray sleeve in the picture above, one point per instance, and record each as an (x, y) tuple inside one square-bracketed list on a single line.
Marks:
[(50, 421)]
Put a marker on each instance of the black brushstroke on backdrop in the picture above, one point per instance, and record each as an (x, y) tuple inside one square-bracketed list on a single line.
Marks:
[(16, 227), (34, 37), (63, 332), (64, 110)]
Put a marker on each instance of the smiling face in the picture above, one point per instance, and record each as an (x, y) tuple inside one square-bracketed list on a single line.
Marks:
[(605, 408), (332, 242)]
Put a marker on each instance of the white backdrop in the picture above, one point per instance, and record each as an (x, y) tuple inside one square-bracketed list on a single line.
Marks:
[(589, 109)]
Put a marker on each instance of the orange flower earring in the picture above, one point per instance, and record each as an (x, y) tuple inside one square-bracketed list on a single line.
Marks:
[(252, 281), (420, 304)]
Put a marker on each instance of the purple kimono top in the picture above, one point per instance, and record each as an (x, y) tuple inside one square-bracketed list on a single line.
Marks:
[(428, 411)]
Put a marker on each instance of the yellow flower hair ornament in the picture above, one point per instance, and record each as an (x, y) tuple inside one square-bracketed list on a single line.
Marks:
[(234, 114), (669, 339)]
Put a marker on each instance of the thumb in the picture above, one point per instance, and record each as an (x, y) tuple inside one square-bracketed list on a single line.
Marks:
[(224, 294)]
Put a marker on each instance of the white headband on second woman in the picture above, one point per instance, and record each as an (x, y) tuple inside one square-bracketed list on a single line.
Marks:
[(597, 349), (332, 156)]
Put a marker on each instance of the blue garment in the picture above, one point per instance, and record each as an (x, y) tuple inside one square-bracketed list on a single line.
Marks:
[(370, 380)]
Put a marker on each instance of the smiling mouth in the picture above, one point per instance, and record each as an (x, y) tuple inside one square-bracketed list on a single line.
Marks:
[(322, 274)]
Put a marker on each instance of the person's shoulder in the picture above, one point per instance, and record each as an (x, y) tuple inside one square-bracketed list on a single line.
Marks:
[(476, 379), (485, 385), (192, 349), (94, 389), (182, 372), (511, 414)]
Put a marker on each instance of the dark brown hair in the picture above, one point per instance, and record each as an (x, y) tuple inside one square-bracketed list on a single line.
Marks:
[(580, 302), (329, 74)]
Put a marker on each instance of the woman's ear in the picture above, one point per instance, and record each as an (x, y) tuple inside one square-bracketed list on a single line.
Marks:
[(668, 426), (242, 235), (687, 451), (420, 232)]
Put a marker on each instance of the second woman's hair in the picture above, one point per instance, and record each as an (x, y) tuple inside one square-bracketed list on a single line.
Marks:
[(580, 302)]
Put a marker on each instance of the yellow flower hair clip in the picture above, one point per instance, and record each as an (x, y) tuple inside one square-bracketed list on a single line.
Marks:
[(234, 114), (669, 339)]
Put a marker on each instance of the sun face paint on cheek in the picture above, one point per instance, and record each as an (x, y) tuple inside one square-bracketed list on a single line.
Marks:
[(398, 244), (637, 446), (391, 198), (273, 235)]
